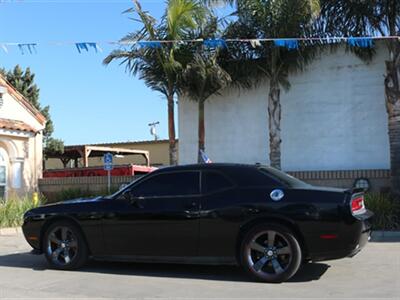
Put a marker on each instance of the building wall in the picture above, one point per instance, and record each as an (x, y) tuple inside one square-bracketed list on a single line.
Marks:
[(23, 150), (333, 118), (12, 109)]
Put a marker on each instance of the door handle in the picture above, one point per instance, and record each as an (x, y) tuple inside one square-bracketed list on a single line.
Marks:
[(192, 205), (137, 202)]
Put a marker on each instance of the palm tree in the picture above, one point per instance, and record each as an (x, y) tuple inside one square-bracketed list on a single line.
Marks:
[(202, 78), (258, 19), (156, 63), (369, 18)]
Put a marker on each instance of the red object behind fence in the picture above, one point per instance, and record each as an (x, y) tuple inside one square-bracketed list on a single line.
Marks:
[(122, 170)]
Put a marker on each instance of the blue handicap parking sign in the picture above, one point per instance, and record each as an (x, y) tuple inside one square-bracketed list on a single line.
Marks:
[(108, 167), (108, 158)]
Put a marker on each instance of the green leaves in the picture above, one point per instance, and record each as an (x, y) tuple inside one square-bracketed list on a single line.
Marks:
[(203, 77), (258, 19), (160, 67), (183, 16)]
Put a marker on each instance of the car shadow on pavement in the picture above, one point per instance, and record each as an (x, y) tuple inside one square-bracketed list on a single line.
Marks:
[(308, 272)]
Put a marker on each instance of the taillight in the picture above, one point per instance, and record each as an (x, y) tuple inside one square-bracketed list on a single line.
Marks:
[(357, 205)]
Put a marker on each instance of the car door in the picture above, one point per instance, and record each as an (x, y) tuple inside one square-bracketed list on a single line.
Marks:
[(158, 216), (229, 198), (218, 215)]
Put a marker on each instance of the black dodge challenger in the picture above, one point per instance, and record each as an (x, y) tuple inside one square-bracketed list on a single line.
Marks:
[(254, 216)]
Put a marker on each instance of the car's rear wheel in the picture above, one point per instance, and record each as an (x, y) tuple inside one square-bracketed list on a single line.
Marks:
[(64, 246), (270, 253)]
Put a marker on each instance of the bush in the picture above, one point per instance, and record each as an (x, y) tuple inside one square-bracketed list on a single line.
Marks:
[(13, 209), (386, 210)]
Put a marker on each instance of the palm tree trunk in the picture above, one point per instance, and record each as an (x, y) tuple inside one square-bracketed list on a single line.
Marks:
[(392, 93), (274, 119), (202, 132), (173, 160)]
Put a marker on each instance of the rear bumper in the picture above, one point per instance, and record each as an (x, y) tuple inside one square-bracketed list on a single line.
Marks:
[(351, 244)]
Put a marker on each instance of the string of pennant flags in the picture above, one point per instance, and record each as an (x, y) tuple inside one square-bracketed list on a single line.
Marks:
[(288, 43)]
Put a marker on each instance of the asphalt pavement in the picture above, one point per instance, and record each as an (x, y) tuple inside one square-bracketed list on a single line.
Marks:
[(372, 274)]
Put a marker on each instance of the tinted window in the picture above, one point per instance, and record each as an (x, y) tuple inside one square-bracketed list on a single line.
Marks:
[(212, 182), (249, 176), (283, 177), (169, 184)]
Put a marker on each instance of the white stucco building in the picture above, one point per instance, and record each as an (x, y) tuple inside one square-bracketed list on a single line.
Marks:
[(21, 139), (333, 118)]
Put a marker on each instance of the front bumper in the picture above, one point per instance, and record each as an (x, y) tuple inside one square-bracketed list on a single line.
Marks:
[(32, 233)]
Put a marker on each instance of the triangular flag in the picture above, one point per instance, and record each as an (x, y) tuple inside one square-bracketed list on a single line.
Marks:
[(255, 43), (4, 47)]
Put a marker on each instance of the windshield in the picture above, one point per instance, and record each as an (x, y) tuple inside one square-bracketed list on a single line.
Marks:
[(283, 177), (124, 188)]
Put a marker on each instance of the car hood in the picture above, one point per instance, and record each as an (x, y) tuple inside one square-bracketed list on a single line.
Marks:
[(74, 201), (49, 208)]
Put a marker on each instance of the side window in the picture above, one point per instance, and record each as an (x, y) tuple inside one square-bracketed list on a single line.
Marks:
[(251, 177), (213, 182), (169, 184)]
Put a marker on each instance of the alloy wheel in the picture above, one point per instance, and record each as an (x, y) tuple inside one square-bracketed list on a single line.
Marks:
[(268, 254), (62, 246)]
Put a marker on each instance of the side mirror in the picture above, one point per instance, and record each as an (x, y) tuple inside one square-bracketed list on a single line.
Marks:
[(136, 201), (122, 186), (133, 200)]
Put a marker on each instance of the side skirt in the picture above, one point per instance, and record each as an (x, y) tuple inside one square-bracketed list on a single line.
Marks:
[(170, 259)]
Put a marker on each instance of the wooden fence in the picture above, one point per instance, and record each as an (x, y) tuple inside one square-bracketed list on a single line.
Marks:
[(379, 180)]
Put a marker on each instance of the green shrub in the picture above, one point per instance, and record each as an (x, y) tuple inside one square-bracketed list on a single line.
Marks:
[(386, 210), (13, 209)]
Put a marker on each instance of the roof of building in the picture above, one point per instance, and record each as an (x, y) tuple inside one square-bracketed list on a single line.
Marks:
[(16, 125), (134, 142), (111, 144), (23, 101)]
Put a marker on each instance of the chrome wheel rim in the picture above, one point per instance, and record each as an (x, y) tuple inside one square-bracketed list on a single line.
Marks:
[(268, 254), (62, 246)]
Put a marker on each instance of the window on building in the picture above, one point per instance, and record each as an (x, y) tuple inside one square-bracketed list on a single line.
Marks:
[(16, 175), (3, 176)]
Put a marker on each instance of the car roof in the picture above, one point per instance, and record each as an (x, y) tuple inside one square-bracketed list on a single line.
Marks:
[(210, 166)]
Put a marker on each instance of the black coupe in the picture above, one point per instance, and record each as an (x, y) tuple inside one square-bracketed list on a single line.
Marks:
[(254, 216)]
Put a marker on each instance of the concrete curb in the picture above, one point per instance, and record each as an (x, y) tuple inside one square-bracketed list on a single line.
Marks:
[(385, 236), (10, 231)]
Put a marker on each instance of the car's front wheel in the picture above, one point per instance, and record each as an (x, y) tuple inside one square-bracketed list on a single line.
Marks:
[(270, 253), (64, 246)]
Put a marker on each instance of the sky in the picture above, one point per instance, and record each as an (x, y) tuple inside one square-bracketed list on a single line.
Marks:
[(89, 102)]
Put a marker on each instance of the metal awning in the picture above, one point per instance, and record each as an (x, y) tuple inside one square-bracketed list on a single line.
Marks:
[(86, 151)]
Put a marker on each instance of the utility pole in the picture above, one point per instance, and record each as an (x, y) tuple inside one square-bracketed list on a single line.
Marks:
[(153, 130)]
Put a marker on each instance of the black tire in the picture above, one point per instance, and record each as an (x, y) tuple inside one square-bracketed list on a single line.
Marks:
[(270, 253), (64, 246)]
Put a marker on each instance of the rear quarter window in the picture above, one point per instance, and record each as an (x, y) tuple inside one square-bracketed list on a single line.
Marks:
[(214, 182), (251, 177)]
